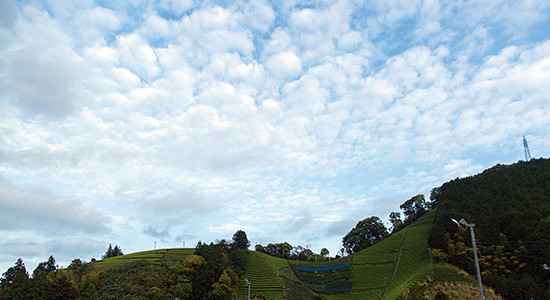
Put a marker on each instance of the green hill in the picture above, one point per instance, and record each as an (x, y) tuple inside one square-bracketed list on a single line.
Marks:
[(510, 207), (167, 256), (383, 270)]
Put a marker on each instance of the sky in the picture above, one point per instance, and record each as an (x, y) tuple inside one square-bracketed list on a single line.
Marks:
[(161, 123)]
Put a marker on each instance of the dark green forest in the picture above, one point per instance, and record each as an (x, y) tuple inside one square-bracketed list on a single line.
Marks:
[(510, 207)]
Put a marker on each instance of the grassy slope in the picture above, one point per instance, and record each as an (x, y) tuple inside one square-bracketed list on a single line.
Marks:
[(385, 269), (414, 264), (262, 271), (404, 254), (168, 256), (393, 265)]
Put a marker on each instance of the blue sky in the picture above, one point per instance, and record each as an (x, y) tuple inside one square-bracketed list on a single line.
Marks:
[(170, 121)]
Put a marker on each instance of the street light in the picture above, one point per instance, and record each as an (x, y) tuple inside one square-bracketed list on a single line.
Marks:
[(463, 222), (248, 284)]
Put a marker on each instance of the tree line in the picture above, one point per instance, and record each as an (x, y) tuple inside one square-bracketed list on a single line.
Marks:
[(366, 233), (287, 251), (212, 272)]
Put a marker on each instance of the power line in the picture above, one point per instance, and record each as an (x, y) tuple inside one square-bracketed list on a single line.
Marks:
[(519, 243)]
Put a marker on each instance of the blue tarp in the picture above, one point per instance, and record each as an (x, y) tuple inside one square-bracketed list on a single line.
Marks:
[(323, 268), (344, 291)]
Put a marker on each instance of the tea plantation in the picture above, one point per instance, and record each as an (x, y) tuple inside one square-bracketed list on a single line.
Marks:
[(382, 271)]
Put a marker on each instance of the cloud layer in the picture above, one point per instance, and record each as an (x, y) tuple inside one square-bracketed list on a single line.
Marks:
[(133, 122)]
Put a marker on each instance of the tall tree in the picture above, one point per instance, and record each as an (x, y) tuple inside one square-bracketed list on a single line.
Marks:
[(15, 282), (364, 234), (65, 286), (43, 279), (395, 220), (112, 252), (240, 240), (117, 251), (414, 208), (109, 252), (48, 266)]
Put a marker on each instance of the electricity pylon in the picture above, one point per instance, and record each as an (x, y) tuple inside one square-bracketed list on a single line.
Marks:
[(526, 150)]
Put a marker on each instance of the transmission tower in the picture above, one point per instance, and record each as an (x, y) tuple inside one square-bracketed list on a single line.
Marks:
[(526, 149)]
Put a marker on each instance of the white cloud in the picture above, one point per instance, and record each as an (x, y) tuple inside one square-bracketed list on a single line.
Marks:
[(229, 228), (25, 207), (176, 7), (291, 122), (41, 72), (258, 15), (136, 53), (284, 64)]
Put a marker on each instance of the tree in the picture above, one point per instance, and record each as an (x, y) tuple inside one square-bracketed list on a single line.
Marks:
[(395, 219), (414, 208), (238, 259), (15, 282), (240, 240), (90, 293), (43, 279), (64, 286), (112, 252), (48, 266), (117, 251), (279, 249), (210, 272), (259, 248), (364, 234), (109, 253), (324, 252)]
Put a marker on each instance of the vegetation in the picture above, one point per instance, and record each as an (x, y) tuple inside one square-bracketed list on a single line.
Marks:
[(112, 252), (211, 271), (365, 234), (509, 207), (287, 251), (218, 271), (261, 272), (426, 256)]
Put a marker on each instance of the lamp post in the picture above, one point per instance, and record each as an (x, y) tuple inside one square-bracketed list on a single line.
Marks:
[(248, 284), (471, 226)]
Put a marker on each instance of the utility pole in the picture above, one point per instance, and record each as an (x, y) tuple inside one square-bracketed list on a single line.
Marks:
[(544, 266), (471, 226), (248, 284), (431, 260)]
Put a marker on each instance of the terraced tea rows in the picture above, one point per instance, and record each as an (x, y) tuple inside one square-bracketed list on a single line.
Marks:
[(326, 280), (168, 256), (414, 261), (261, 272), (384, 270)]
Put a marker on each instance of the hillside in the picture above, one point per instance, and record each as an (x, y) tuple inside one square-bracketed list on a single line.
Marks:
[(384, 270), (510, 207), (430, 258)]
